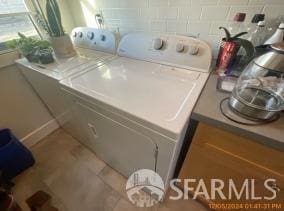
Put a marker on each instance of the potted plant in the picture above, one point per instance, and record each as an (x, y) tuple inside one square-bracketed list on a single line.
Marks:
[(229, 48), (52, 24), (35, 50)]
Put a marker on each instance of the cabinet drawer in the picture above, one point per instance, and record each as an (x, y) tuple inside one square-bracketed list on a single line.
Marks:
[(260, 156), (207, 163), (210, 158)]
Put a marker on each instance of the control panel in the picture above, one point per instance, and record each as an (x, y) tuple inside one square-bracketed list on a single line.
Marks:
[(174, 50), (94, 39)]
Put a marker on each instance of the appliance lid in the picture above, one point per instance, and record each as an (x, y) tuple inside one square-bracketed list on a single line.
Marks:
[(158, 94), (272, 60), (62, 68)]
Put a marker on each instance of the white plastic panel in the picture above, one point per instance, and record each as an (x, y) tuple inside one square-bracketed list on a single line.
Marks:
[(94, 39), (153, 86), (174, 50), (57, 102), (159, 94), (63, 68), (80, 107), (123, 148)]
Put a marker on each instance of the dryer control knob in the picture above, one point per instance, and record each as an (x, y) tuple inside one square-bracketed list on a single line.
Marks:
[(103, 37), (91, 35), (75, 34), (158, 43), (179, 48), (193, 49), (80, 34)]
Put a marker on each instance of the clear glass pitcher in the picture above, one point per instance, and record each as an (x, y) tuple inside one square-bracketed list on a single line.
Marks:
[(259, 92)]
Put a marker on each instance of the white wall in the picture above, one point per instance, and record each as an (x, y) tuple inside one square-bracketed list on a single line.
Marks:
[(189, 17), (21, 109)]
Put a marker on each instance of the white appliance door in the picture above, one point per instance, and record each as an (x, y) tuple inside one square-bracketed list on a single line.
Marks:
[(123, 148)]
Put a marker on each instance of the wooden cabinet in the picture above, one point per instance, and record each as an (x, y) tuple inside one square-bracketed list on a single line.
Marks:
[(217, 154)]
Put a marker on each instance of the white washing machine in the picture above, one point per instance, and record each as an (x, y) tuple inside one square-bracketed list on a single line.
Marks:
[(135, 109), (93, 46)]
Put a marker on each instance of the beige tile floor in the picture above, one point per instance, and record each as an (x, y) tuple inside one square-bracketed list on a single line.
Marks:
[(77, 180)]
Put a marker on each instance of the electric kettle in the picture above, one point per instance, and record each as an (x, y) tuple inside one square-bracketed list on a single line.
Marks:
[(259, 91)]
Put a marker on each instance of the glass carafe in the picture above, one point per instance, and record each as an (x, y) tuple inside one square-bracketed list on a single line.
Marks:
[(259, 92)]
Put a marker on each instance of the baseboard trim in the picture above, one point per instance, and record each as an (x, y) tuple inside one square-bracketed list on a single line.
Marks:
[(38, 134)]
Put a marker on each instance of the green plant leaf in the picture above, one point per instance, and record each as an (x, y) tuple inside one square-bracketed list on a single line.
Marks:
[(41, 18), (28, 46), (51, 19), (22, 35), (54, 18), (228, 34), (12, 43), (58, 15), (238, 35), (42, 23), (248, 46)]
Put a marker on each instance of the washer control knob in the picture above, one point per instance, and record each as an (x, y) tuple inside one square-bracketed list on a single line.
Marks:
[(80, 34), (193, 49), (158, 43), (75, 34), (91, 35), (103, 37), (179, 48)]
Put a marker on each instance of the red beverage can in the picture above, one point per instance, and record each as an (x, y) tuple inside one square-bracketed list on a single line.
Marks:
[(228, 51)]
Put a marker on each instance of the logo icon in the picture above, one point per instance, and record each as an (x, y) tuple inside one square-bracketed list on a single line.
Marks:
[(145, 188)]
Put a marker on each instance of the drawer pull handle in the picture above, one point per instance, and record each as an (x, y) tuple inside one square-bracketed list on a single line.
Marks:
[(93, 130)]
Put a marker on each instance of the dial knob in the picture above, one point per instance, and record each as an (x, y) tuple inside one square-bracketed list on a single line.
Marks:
[(179, 48), (75, 34), (80, 34), (158, 43), (91, 35), (193, 49), (103, 37)]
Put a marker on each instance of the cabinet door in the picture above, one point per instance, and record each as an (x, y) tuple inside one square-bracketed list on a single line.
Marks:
[(217, 154), (122, 147)]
